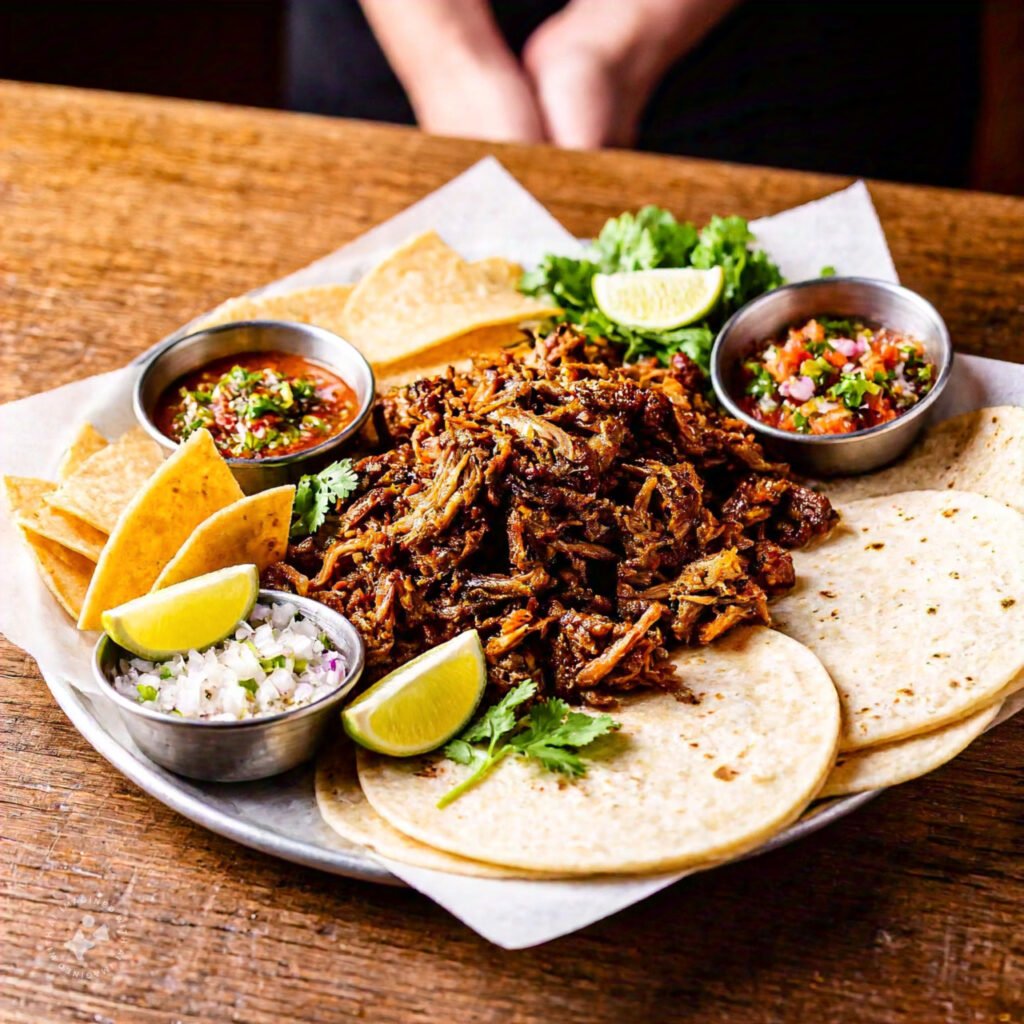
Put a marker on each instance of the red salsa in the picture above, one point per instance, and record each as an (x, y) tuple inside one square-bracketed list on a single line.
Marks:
[(833, 376), (258, 405)]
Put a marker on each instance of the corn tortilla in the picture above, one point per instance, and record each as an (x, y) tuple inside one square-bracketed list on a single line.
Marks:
[(65, 573), (893, 763), (423, 294), (320, 304), (253, 530), (103, 485), (189, 487), (86, 442), (25, 496), (915, 605), (981, 451), (344, 808), (679, 785)]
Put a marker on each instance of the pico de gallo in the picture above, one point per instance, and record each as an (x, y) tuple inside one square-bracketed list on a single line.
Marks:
[(258, 405), (832, 376)]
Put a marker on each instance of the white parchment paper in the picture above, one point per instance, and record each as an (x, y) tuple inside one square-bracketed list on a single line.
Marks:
[(483, 212)]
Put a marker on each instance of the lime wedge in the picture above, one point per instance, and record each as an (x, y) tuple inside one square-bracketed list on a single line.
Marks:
[(658, 300), (424, 702), (187, 615)]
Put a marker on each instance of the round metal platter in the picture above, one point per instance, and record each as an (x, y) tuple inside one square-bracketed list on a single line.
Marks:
[(279, 816)]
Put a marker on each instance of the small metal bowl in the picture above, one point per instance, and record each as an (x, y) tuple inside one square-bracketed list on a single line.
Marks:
[(890, 305), (189, 353), (253, 748)]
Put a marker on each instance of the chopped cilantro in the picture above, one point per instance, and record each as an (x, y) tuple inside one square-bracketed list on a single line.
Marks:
[(827, 271), (762, 383), (147, 693), (249, 685), (165, 672), (851, 388), (800, 421), (552, 734)]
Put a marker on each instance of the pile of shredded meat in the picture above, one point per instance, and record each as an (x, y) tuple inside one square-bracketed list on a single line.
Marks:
[(586, 517)]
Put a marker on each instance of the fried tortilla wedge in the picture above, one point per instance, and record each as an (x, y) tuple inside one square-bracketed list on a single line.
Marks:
[(345, 809), (193, 484), (65, 573), (87, 442), (679, 785), (253, 531), (25, 496), (915, 605), (320, 304), (980, 451), (423, 294), (98, 491)]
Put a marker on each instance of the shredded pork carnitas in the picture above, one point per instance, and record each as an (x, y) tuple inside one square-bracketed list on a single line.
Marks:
[(584, 516)]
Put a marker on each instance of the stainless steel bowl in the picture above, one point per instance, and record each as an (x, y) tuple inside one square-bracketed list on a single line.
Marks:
[(253, 748), (189, 353), (890, 305)]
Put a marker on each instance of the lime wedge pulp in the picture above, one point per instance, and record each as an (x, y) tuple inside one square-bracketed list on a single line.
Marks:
[(658, 300), (189, 615), (424, 702)]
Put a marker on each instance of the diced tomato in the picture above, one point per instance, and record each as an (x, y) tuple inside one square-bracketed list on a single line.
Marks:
[(836, 421), (814, 331), (787, 360), (836, 358)]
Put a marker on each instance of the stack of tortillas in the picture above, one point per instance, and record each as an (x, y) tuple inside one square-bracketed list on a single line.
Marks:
[(420, 309), (911, 613)]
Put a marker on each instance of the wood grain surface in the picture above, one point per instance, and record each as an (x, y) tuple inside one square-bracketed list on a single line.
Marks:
[(122, 217)]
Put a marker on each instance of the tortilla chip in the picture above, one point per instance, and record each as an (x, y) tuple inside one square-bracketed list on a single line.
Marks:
[(87, 442), (65, 573), (345, 809), (915, 605), (980, 451), (679, 785), (25, 496), (251, 531), (893, 763), (457, 352), (423, 294), (188, 488), (321, 305), (107, 480)]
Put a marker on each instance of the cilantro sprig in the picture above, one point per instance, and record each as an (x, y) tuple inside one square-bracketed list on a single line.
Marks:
[(551, 734), (646, 240), (318, 493)]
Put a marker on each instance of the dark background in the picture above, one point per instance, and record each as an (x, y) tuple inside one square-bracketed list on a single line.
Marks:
[(923, 92)]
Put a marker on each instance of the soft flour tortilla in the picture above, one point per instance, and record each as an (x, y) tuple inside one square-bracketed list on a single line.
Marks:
[(345, 809), (189, 487), (915, 605), (65, 573), (981, 451), (107, 480), (25, 495), (893, 763), (679, 785), (320, 304), (423, 294), (87, 442), (253, 530)]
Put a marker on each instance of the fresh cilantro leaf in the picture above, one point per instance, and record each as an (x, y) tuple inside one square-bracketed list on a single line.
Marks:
[(552, 734), (318, 493), (851, 388), (647, 239), (165, 672), (827, 271), (147, 692), (249, 684), (801, 422)]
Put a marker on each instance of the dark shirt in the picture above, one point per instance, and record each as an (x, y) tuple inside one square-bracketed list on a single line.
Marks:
[(887, 90)]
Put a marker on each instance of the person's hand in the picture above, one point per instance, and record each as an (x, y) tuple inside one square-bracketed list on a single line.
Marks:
[(457, 70), (468, 100), (595, 64)]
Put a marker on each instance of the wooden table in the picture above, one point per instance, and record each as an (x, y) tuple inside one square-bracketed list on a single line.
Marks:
[(120, 218)]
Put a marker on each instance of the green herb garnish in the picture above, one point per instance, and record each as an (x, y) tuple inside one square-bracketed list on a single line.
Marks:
[(851, 388), (146, 693), (552, 734), (166, 673), (318, 493), (648, 239), (249, 684)]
